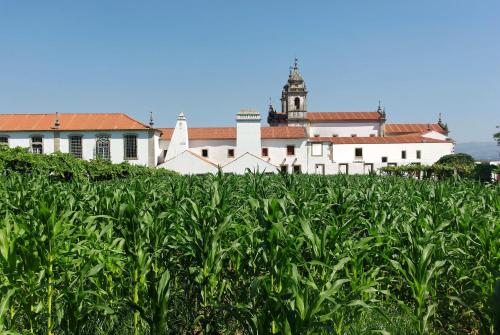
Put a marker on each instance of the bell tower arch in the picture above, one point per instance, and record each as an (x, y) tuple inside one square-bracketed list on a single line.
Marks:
[(294, 97)]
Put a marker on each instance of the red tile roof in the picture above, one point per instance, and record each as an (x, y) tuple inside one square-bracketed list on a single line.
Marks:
[(408, 128), (229, 133), (342, 116), (73, 121), (282, 132), (378, 140)]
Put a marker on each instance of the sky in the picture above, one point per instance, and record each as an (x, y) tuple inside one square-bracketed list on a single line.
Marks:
[(209, 59)]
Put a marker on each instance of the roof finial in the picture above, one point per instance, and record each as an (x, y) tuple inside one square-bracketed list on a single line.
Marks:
[(439, 120), (290, 71), (295, 65), (57, 123), (151, 121)]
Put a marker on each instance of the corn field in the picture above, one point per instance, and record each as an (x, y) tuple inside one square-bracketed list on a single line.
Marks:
[(253, 254)]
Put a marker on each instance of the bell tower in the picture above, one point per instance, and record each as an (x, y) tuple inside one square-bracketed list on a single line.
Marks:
[(294, 98)]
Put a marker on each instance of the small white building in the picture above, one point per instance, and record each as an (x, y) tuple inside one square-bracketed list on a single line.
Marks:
[(296, 140)]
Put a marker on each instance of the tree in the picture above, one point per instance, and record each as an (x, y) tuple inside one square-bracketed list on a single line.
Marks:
[(457, 159)]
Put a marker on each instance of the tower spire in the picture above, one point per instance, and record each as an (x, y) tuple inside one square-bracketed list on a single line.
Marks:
[(295, 64)]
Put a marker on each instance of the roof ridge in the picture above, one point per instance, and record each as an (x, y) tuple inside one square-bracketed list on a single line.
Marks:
[(139, 122)]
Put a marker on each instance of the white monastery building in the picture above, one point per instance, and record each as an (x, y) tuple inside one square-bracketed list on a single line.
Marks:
[(296, 140)]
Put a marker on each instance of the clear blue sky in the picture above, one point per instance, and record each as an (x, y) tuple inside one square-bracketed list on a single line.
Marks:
[(208, 59)]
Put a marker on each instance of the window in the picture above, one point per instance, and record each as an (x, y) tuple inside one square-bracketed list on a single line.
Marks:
[(296, 169), (384, 159), (316, 135), (75, 146), (37, 145), (204, 152), (130, 147), (265, 152), (368, 168), (284, 168), (230, 153), (102, 147), (317, 149), (358, 153), (372, 135), (354, 135), (403, 154), (297, 103), (290, 150), (419, 154), (320, 169), (344, 168), (4, 140), (335, 135)]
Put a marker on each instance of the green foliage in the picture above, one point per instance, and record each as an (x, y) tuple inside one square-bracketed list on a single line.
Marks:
[(253, 254), (456, 160), (438, 171), (63, 166)]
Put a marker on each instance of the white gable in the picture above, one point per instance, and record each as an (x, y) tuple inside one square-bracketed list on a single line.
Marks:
[(179, 141), (249, 161), (435, 135), (189, 163)]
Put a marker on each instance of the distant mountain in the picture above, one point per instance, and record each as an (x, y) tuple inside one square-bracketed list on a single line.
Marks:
[(488, 151)]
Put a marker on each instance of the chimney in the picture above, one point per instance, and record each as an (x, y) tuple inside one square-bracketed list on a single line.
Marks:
[(248, 137), (179, 141), (57, 123)]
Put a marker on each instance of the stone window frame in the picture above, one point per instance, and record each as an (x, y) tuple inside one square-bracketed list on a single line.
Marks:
[(41, 142), (70, 137), (127, 150), (6, 137), (97, 137), (321, 150)]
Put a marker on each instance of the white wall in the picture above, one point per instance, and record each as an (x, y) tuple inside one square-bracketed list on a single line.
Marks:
[(373, 153), (344, 129), (217, 149), (186, 163), (116, 144), (22, 139), (249, 161), (248, 137), (278, 153)]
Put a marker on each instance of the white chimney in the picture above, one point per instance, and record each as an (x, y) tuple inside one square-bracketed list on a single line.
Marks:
[(248, 132), (179, 141)]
